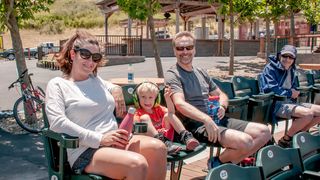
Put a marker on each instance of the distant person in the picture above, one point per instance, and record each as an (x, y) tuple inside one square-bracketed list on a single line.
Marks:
[(162, 122), (279, 77), (191, 86), (80, 103)]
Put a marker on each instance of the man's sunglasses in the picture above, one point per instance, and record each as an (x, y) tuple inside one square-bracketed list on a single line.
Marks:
[(181, 48), (86, 54), (286, 56)]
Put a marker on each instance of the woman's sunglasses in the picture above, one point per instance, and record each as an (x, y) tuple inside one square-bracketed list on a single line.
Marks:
[(86, 54), (188, 48)]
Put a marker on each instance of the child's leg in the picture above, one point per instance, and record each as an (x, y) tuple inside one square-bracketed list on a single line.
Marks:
[(171, 148), (151, 131), (171, 120), (186, 137)]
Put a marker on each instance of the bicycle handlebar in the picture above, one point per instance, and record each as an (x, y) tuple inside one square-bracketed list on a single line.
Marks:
[(19, 79)]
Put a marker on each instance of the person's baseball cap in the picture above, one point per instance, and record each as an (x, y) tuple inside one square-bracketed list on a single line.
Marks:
[(289, 49)]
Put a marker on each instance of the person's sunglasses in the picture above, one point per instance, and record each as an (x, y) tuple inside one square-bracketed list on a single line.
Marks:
[(286, 56), (181, 48), (86, 54)]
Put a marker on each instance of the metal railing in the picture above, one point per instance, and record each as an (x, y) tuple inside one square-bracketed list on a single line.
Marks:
[(120, 45), (305, 43)]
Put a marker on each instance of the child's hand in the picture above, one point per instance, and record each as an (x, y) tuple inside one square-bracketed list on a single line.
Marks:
[(167, 91)]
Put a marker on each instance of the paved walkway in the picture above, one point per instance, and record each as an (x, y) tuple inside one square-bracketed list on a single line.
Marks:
[(22, 156)]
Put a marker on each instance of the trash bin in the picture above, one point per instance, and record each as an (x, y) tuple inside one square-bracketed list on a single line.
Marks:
[(40, 53), (123, 49)]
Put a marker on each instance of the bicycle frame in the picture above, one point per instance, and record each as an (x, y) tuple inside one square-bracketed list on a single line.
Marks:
[(25, 90), (27, 109)]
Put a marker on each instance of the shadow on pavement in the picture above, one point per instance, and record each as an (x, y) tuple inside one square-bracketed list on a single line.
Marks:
[(22, 157)]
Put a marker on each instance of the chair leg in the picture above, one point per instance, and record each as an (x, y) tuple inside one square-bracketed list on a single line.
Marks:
[(175, 174)]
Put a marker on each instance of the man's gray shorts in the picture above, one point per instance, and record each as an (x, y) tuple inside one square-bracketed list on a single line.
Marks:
[(286, 109)]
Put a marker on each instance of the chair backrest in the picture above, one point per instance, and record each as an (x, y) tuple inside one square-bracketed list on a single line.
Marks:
[(225, 86), (309, 146), (316, 77), (303, 86), (127, 91), (244, 86), (231, 171), (259, 103), (279, 163), (238, 107)]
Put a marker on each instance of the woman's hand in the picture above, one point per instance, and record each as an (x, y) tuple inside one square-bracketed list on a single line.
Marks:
[(116, 138), (119, 101)]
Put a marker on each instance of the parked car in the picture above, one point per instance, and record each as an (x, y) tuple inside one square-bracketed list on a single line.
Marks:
[(162, 34), (10, 53), (49, 47)]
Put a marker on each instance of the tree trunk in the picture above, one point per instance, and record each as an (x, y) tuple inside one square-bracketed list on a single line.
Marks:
[(155, 47), (267, 37), (17, 44), (292, 29), (231, 50)]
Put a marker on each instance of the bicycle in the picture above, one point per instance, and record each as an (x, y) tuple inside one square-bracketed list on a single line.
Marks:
[(27, 109)]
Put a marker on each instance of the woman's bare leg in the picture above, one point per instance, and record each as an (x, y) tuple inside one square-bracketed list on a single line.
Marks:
[(131, 165)]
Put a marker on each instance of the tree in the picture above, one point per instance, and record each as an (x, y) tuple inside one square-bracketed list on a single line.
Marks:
[(12, 14), (270, 10), (311, 10), (243, 9), (142, 10)]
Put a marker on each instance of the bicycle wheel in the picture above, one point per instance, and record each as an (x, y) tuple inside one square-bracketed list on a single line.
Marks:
[(28, 114)]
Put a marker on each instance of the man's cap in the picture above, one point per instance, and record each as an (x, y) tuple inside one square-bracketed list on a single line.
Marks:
[(289, 49)]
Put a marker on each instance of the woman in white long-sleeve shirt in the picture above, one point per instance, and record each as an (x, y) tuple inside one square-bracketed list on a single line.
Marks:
[(82, 104)]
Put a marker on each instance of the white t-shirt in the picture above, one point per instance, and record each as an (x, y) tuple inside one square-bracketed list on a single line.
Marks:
[(83, 109)]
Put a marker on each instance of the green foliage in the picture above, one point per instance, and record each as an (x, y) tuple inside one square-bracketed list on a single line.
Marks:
[(23, 10), (311, 10), (139, 9), (67, 14)]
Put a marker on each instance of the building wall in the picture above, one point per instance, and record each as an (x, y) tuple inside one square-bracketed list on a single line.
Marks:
[(204, 47)]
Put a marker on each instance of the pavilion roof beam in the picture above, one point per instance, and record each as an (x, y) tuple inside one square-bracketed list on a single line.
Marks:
[(109, 9), (209, 10), (106, 2), (168, 8)]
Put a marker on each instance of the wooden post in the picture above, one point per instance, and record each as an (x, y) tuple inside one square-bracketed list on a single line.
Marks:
[(262, 53)]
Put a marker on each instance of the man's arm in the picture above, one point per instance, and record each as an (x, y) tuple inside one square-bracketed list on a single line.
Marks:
[(193, 113), (223, 98)]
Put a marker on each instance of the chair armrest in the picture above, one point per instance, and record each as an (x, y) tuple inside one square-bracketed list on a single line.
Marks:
[(311, 174), (263, 96), (65, 140), (184, 154), (279, 98), (316, 89), (256, 102), (237, 100), (304, 88)]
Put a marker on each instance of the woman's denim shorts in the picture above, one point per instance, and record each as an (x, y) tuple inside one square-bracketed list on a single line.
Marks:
[(83, 160)]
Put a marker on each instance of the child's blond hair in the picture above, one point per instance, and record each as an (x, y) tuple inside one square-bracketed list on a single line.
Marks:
[(148, 87)]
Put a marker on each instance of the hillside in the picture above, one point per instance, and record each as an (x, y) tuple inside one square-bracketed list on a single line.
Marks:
[(61, 21)]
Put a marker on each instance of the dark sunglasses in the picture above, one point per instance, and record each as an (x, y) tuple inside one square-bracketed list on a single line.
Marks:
[(188, 48), (286, 56), (86, 54)]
